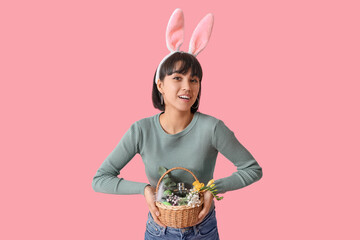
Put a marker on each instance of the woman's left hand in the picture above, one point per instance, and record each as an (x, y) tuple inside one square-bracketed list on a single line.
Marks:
[(208, 199)]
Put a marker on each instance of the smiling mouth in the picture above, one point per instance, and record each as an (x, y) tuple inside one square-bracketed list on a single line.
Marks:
[(185, 99)]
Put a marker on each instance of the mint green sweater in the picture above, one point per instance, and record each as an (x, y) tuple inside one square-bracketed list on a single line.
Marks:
[(195, 148)]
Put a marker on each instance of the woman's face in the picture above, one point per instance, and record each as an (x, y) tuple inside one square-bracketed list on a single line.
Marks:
[(179, 90)]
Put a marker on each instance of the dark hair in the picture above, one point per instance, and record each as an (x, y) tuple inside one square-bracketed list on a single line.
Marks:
[(188, 61)]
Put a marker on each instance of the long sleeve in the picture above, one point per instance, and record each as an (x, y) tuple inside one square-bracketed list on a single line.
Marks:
[(248, 170), (106, 179)]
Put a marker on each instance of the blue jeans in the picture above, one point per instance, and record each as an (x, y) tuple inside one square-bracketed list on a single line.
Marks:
[(207, 229)]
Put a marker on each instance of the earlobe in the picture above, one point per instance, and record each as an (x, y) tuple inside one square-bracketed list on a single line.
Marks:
[(159, 86)]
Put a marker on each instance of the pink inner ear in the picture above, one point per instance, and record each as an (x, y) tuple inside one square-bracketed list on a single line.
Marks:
[(201, 34), (175, 30)]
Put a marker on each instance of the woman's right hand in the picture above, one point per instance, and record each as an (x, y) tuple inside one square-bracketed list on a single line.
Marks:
[(149, 194)]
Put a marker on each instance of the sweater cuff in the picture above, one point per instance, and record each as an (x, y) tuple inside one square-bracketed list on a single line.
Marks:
[(221, 186)]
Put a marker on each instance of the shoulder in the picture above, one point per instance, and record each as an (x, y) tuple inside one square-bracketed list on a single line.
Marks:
[(209, 122), (217, 125), (208, 119), (145, 123)]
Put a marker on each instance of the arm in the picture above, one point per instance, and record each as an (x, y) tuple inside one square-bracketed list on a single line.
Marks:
[(106, 178), (248, 170)]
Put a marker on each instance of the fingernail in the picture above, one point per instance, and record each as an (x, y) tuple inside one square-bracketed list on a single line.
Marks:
[(157, 213)]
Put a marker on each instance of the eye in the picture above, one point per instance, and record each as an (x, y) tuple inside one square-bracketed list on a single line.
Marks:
[(195, 80), (177, 78)]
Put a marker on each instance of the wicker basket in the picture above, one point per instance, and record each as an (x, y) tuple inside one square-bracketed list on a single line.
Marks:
[(178, 216)]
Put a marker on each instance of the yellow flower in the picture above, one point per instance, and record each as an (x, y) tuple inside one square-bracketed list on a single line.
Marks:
[(210, 182), (198, 185), (212, 185)]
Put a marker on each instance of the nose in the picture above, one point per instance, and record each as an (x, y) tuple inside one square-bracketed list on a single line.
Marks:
[(186, 84)]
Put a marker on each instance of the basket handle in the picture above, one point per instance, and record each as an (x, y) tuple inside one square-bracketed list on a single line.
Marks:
[(157, 186)]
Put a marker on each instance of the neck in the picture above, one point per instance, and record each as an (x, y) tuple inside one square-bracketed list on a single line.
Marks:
[(174, 121)]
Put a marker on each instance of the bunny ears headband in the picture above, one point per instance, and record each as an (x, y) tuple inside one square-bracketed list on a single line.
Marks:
[(175, 35)]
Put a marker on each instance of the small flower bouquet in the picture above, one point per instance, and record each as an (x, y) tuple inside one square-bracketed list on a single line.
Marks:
[(199, 187)]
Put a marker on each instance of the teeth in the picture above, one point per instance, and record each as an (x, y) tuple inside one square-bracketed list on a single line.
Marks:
[(185, 97)]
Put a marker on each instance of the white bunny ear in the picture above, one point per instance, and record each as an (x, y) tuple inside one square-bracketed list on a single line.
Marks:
[(175, 30), (201, 34)]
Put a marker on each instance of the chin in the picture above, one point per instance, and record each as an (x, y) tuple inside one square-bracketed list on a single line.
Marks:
[(184, 109)]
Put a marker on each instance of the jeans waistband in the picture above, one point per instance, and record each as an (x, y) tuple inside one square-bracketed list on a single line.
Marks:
[(212, 209)]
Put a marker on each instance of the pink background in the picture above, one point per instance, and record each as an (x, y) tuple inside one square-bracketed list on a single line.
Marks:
[(283, 75)]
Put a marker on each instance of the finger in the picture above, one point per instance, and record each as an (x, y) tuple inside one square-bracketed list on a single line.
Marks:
[(203, 212), (154, 210), (160, 223), (155, 213), (200, 220), (157, 220)]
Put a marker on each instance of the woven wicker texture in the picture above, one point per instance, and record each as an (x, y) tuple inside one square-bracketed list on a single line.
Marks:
[(178, 216)]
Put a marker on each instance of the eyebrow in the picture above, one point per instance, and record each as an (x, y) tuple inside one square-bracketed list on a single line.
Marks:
[(184, 75)]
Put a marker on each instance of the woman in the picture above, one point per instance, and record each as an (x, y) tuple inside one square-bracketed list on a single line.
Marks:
[(178, 136)]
